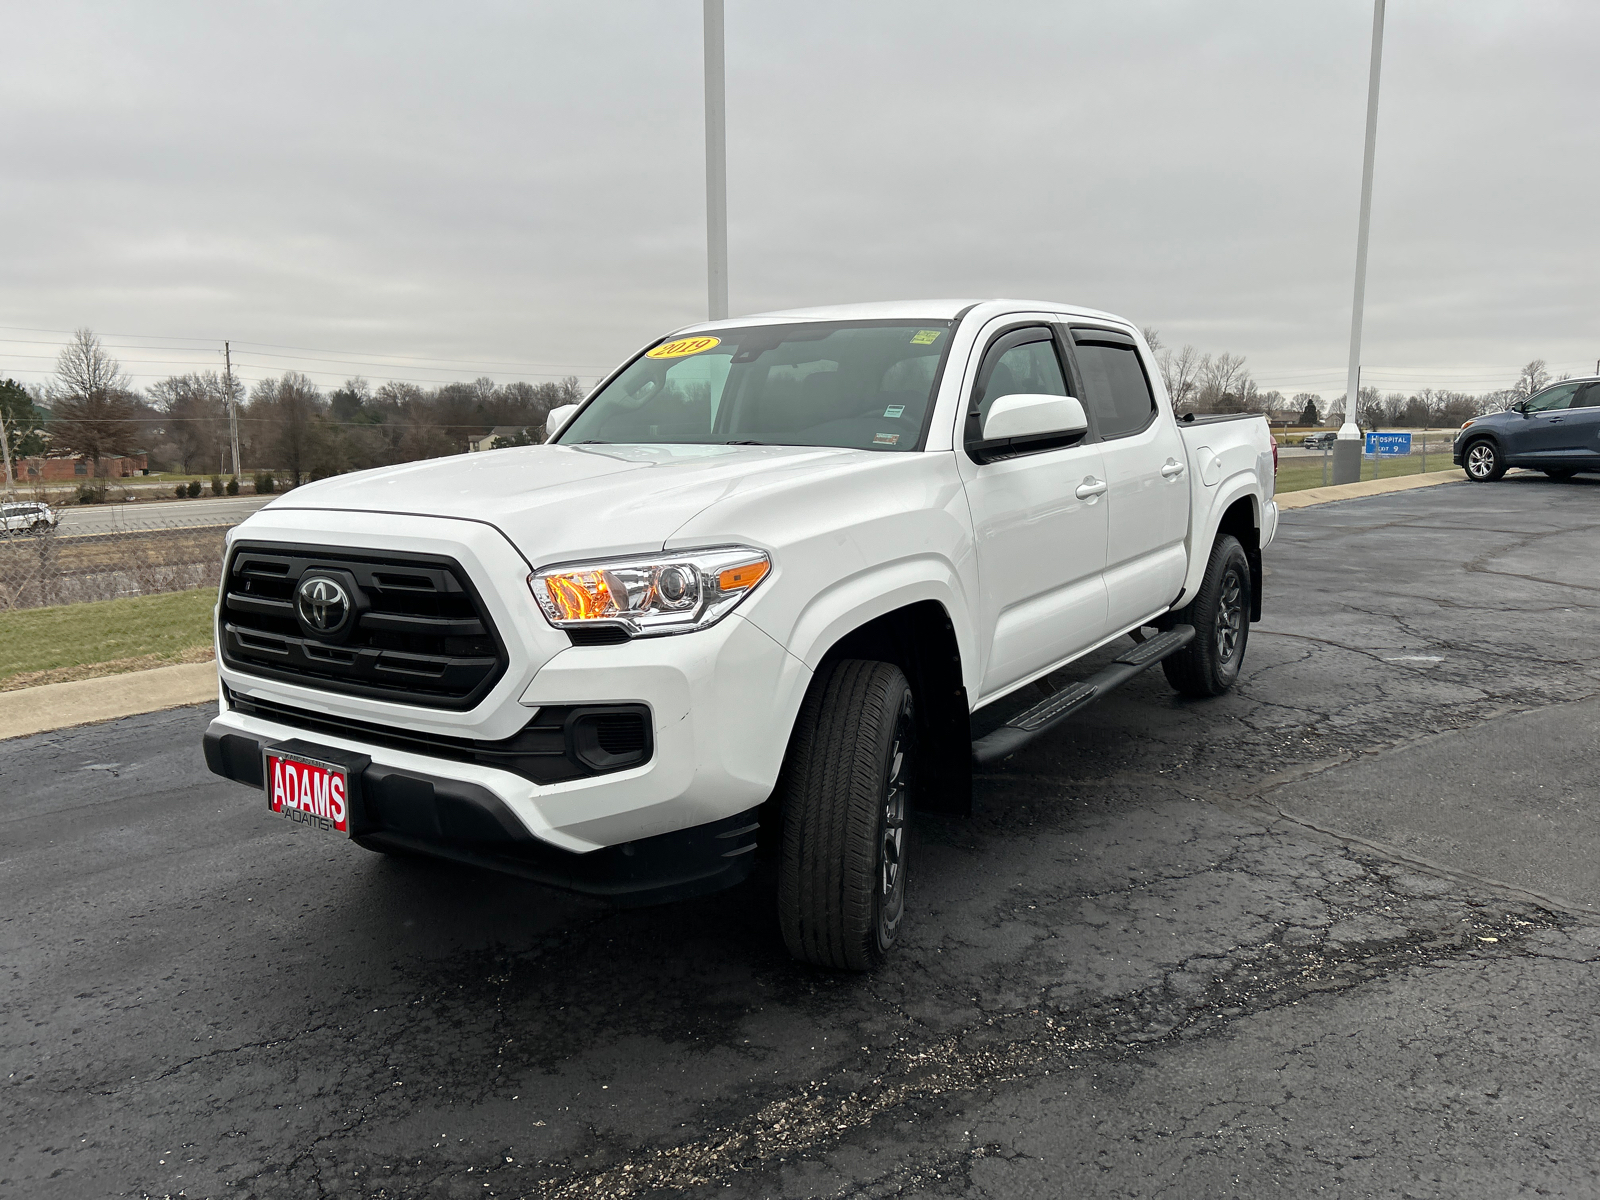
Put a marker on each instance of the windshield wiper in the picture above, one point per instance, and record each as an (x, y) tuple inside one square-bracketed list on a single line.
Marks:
[(746, 443)]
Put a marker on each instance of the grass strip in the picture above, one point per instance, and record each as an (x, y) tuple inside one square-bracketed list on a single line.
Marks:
[(104, 637)]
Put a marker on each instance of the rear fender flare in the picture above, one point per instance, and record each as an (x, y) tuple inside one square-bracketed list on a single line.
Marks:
[(1229, 492)]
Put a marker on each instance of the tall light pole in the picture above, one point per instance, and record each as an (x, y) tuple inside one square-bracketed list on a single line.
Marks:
[(233, 408), (1347, 450), (716, 168)]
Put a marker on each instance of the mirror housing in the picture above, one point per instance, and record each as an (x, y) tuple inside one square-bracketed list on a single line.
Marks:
[(557, 418), (1026, 422)]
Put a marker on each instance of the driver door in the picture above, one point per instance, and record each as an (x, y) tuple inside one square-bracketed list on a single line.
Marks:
[(1038, 520)]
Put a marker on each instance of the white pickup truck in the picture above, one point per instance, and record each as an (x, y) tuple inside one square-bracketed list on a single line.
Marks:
[(743, 605)]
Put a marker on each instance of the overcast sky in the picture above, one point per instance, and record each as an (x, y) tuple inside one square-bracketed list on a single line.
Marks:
[(437, 191)]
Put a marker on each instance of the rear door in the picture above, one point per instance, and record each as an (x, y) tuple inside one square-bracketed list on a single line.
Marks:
[(1583, 419), (1147, 471), (1039, 518)]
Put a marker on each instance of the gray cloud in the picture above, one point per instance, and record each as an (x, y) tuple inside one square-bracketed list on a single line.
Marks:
[(522, 184)]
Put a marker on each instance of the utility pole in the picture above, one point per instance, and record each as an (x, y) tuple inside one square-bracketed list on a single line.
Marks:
[(1347, 450), (5, 446), (716, 167), (233, 407)]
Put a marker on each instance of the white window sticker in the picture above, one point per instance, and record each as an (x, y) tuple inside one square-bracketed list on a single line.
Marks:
[(894, 410)]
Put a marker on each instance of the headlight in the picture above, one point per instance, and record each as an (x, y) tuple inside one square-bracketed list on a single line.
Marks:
[(652, 595)]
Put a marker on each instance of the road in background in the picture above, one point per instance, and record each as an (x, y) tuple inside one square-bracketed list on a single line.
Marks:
[(1143, 966), (174, 514)]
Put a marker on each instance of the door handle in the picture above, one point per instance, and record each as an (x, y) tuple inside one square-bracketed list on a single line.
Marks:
[(1172, 469), (1090, 488)]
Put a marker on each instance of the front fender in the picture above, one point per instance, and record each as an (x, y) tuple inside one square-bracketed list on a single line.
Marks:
[(850, 602)]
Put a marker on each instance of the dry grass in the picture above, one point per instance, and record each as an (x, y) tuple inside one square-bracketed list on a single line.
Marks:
[(66, 568), (80, 641)]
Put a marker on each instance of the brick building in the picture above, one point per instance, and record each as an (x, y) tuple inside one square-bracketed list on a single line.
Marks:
[(53, 469)]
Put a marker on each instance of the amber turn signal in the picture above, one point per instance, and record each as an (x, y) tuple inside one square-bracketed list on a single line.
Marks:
[(743, 576)]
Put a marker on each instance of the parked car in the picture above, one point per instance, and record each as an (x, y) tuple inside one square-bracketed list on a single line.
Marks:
[(1556, 431), (28, 516), (1320, 439), (744, 602)]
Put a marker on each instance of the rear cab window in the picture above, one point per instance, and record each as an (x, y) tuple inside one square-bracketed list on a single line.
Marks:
[(1117, 391)]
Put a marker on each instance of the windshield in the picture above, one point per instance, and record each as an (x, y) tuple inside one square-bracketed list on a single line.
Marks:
[(863, 385)]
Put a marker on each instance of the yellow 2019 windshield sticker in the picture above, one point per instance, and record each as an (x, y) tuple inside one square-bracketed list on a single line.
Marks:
[(925, 337), (683, 347)]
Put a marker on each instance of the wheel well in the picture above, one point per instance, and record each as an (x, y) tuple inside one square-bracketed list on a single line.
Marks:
[(920, 639), (1240, 521)]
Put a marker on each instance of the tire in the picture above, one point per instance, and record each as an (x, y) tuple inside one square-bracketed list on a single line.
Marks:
[(1482, 462), (1220, 614), (845, 794), (1560, 474)]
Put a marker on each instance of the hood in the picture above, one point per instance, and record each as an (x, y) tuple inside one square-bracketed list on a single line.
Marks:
[(563, 502)]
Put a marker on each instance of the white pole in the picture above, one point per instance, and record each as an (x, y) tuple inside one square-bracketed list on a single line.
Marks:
[(1349, 430), (233, 408), (716, 167)]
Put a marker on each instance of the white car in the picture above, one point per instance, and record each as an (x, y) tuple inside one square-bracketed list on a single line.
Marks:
[(27, 516), (744, 603)]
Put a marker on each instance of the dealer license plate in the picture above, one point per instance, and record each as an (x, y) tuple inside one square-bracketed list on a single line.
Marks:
[(308, 792)]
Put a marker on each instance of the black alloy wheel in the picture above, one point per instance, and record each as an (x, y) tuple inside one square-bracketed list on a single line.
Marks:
[(1220, 614), (1482, 462)]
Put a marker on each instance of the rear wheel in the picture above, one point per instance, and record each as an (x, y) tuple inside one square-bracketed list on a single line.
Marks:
[(846, 797), (1483, 462), (1220, 614)]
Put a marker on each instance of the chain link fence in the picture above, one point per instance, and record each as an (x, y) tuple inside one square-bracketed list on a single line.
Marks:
[(53, 566)]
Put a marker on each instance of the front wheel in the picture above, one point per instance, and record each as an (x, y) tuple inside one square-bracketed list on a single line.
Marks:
[(1220, 614), (846, 797), (1483, 462)]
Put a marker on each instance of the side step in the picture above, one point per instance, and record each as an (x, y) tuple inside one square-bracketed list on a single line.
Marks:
[(1051, 711)]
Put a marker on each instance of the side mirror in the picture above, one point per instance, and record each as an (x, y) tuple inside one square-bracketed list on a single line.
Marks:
[(558, 417), (1027, 421)]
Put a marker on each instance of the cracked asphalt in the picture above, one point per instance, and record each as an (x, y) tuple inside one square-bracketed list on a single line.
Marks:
[(1333, 934)]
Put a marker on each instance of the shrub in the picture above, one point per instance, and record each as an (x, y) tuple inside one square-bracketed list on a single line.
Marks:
[(216, 485), (233, 486), (180, 490), (91, 493), (265, 484), (194, 488)]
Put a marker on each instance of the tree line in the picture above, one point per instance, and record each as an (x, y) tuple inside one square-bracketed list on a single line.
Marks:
[(1205, 383), (90, 409)]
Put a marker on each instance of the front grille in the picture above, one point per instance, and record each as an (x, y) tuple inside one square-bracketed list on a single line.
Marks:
[(550, 748), (418, 632)]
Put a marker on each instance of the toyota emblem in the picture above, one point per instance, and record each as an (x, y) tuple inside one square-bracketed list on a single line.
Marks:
[(323, 603)]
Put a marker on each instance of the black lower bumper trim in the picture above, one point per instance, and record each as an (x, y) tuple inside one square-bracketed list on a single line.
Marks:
[(410, 812)]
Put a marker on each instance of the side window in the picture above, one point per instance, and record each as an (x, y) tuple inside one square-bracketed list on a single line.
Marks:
[(1023, 361), (1115, 387), (1559, 396), (1589, 397)]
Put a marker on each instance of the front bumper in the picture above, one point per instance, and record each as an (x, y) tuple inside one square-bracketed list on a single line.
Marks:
[(412, 811)]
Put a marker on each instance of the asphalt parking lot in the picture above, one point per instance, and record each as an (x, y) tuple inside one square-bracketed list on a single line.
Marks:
[(1333, 934)]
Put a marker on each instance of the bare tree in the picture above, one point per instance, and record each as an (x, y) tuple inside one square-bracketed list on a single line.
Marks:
[(288, 415), (93, 410), (1309, 407), (1224, 383), (1531, 379), (1180, 373), (196, 419)]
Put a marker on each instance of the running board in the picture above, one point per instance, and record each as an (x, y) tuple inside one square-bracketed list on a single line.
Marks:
[(1051, 711)]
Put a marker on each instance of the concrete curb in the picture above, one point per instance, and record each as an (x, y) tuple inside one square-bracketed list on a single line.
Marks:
[(1367, 487), (85, 701)]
